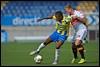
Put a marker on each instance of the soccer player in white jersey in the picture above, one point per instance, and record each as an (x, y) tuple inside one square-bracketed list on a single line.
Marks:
[(79, 24)]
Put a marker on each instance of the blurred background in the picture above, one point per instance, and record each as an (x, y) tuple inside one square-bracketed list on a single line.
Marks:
[(20, 33), (18, 19)]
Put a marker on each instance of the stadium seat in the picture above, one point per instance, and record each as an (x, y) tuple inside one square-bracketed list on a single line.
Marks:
[(45, 7)]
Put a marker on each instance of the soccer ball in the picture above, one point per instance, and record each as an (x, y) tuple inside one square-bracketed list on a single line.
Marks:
[(38, 59)]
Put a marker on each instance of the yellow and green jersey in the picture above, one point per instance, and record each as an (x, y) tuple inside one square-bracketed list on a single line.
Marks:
[(63, 26)]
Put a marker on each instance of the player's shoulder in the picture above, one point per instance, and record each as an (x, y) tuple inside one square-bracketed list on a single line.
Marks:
[(78, 11)]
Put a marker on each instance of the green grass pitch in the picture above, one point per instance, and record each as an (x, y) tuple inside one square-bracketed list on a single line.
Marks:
[(17, 54)]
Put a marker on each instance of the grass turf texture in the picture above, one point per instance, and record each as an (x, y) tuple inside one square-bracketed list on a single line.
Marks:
[(17, 54)]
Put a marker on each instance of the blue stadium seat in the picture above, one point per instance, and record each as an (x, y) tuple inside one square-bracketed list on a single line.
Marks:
[(38, 8)]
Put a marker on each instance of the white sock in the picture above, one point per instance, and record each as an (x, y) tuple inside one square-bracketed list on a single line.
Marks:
[(41, 46), (57, 51)]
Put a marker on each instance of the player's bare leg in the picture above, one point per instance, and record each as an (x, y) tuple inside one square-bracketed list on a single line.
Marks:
[(57, 51), (80, 49), (42, 45)]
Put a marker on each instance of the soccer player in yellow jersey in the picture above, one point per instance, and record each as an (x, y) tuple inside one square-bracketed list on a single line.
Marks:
[(58, 36)]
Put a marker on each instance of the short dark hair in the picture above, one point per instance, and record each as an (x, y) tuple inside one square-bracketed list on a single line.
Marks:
[(58, 13)]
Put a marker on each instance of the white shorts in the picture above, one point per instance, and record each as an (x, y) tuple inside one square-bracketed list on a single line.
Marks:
[(80, 34)]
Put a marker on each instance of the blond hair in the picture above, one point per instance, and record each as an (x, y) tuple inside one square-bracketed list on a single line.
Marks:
[(68, 6), (78, 8)]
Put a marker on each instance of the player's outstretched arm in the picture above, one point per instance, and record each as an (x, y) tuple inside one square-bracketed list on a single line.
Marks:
[(49, 17)]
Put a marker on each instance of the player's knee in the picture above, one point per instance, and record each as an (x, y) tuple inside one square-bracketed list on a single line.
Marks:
[(78, 42), (58, 46), (45, 43), (80, 49)]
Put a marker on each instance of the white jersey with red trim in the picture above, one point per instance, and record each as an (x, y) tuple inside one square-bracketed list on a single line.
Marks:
[(80, 28), (76, 14)]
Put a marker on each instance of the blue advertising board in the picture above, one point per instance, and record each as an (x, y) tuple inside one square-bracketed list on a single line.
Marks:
[(24, 21), (32, 20), (4, 36)]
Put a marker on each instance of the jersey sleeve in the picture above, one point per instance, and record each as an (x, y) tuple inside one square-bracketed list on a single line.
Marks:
[(79, 14)]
